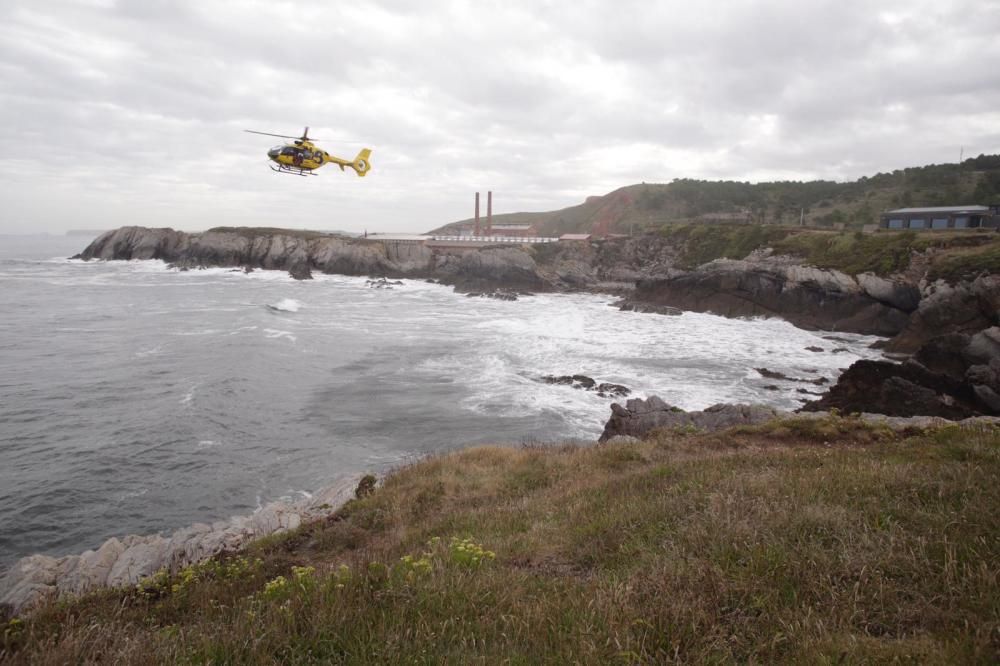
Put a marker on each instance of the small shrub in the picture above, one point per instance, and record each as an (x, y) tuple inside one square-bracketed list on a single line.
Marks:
[(366, 486), (466, 552)]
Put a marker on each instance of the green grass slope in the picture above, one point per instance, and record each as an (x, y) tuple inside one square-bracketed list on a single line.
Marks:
[(826, 541)]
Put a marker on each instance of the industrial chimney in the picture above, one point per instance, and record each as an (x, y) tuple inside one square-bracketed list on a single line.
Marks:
[(477, 213), (489, 213)]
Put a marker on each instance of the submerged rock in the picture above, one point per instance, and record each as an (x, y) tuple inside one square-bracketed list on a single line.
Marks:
[(629, 306), (772, 374), (498, 294), (603, 389), (382, 283)]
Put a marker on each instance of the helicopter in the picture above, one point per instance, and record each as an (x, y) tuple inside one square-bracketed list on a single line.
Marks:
[(302, 157)]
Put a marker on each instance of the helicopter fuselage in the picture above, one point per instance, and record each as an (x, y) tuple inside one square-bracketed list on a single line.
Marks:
[(302, 157), (299, 155)]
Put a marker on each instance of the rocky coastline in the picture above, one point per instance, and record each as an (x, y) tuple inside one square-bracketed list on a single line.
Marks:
[(911, 307), (119, 563), (947, 333), (647, 271)]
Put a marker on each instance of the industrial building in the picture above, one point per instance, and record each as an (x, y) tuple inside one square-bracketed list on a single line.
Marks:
[(942, 217)]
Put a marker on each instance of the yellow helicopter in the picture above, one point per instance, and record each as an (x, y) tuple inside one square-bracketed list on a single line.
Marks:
[(302, 157)]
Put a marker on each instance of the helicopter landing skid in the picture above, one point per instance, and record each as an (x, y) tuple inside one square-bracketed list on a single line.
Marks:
[(294, 171)]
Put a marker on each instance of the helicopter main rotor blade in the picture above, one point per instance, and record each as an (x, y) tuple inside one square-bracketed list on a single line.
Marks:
[(286, 136), (283, 136)]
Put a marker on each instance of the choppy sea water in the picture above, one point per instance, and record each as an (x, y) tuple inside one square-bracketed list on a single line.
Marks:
[(137, 399)]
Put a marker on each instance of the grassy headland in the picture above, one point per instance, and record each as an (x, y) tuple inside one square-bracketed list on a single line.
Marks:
[(799, 541)]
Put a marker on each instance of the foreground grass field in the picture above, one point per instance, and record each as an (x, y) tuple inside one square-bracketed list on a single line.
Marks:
[(813, 542)]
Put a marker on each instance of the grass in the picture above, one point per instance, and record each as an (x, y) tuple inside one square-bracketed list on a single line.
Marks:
[(957, 255), (705, 242), (805, 541), (256, 232), (967, 264)]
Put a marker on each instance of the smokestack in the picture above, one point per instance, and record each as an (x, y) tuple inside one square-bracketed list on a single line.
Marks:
[(477, 213), (489, 213)]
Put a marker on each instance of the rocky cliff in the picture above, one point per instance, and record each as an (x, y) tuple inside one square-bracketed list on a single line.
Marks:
[(275, 249), (767, 286)]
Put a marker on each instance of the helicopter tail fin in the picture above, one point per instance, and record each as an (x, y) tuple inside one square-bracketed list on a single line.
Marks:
[(360, 163)]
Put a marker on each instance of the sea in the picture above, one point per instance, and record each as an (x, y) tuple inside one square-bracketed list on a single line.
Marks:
[(136, 398)]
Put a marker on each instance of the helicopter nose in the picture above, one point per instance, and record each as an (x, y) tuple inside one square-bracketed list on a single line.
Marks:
[(273, 153)]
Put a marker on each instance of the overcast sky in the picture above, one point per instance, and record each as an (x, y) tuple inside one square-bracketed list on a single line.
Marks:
[(120, 112)]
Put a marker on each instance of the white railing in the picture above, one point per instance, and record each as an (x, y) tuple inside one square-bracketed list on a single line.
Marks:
[(495, 239)]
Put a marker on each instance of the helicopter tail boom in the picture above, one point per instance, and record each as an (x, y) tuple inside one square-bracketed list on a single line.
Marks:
[(360, 164)]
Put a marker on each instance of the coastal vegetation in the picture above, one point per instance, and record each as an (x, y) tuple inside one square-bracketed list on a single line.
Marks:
[(817, 541), (267, 232), (955, 256)]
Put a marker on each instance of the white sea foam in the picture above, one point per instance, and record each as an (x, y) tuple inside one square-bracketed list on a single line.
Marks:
[(274, 334), (132, 494), (189, 396), (286, 305), (149, 351)]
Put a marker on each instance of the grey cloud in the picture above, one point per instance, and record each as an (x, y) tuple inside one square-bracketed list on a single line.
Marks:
[(542, 102)]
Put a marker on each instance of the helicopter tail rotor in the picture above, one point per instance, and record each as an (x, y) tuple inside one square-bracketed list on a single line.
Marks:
[(361, 164)]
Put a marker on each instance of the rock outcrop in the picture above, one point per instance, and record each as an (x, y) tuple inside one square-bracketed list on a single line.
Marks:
[(639, 417), (953, 376), (966, 307), (767, 286), (123, 562), (480, 271)]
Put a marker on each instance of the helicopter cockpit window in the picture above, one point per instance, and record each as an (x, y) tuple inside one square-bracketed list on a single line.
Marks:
[(288, 150)]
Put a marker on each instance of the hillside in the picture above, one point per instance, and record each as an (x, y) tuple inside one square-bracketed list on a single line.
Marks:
[(649, 206), (802, 541)]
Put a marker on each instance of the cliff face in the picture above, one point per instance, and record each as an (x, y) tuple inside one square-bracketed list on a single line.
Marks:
[(779, 287), (275, 250)]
